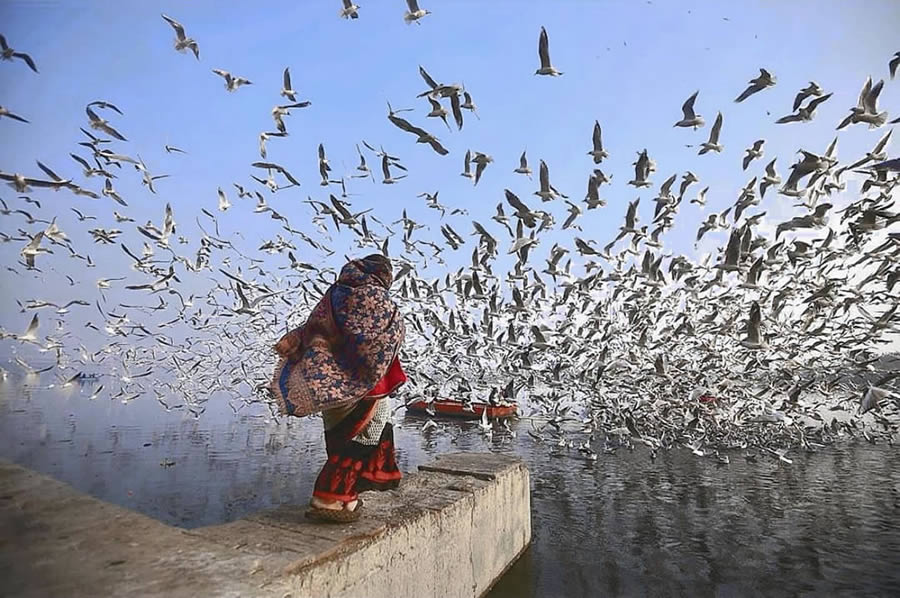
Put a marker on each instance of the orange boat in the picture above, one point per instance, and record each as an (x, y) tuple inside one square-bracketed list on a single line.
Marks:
[(457, 409)]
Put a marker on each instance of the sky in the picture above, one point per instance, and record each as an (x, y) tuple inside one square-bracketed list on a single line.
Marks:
[(629, 65)]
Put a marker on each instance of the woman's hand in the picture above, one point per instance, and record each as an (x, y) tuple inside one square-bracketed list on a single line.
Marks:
[(288, 344)]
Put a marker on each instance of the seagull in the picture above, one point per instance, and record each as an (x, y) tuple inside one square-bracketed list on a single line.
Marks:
[(690, 118), (523, 166), (481, 161), (467, 169), (713, 145), (23, 184), (438, 111), (7, 53), (546, 191), (700, 200), (866, 110), (279, 112), (33, 248), (894, 63), (278, 168), (592, 198), (231, 82), (642, 168), (182, 42), (414, 13), (544, 54), (804, 113), (224, 204), (598, 153), (30, 333), (172, 149), (386, 171), (754, 339), (469, 105), (752, 153), (813, 89), (264, 136), (770, 178), (287, 91), (758, 84), (349, 10), (102, 124), (8, 114)]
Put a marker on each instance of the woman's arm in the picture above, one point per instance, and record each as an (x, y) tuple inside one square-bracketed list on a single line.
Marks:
[(291, 343)]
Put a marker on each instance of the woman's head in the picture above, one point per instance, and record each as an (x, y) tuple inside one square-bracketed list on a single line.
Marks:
[(378, 266)]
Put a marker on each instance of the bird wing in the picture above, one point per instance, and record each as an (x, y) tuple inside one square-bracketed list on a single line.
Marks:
[(688, 107), (871, 101), (27, 60), (523, 161), (385, 167), (597, 139), (428, 80), (716, 128), (413, 5), (287, 77), (544, 177), (544, 49), (179, 30), (867, 87), (457, 112), (440, 149)]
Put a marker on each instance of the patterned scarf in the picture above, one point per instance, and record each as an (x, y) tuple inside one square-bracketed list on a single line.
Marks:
[(347, 344)]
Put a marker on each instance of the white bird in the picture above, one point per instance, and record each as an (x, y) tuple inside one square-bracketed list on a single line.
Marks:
[(544, 54), (598, 153), (224, 204), (758, 84), (753, 153), (349, 10), (30, 333), (286, 89), (7, 53), (231, 82), (182, 41), (414, 13), (713, 145), (523, 166), (5, 112), (690, 118)]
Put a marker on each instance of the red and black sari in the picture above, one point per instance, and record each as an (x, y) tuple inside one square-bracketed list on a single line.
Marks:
[(341, 362)]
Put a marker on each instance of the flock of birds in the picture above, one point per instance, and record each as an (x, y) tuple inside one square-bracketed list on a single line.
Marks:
[(774, 343)]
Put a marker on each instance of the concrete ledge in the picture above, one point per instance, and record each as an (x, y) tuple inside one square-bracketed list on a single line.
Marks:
[(450, 530)]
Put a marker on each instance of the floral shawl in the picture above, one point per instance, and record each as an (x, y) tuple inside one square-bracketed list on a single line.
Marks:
[(347, 344)]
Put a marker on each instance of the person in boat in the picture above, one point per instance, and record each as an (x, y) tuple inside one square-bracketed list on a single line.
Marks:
[(343, 362)]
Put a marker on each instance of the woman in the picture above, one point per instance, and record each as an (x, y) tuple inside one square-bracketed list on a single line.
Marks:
[(342, 362)]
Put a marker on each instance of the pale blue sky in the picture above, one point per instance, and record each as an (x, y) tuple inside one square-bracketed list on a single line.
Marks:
[(628, 64)]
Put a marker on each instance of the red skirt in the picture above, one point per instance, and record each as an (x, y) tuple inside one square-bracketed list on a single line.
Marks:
[(352, 466)]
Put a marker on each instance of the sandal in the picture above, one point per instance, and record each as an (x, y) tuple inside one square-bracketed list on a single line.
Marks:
[(335, 515)]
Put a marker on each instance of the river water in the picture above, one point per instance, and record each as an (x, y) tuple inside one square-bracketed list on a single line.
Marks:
[(624, 525)]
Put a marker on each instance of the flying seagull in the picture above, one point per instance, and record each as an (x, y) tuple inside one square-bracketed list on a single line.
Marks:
[(690, 118), (544, 54), (758, 84), (414, 13), (7, 53), (182, 42), (231, 82), (286, 90), (349, 10), (712, 144), (598, 153)]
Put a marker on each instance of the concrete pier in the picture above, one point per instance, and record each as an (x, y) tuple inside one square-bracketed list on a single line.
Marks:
[(451, 529)]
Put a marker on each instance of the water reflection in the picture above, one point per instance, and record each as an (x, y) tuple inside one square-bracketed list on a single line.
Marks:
[(625, 525)]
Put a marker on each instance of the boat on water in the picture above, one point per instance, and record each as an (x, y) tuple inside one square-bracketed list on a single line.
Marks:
[(458, 409)]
